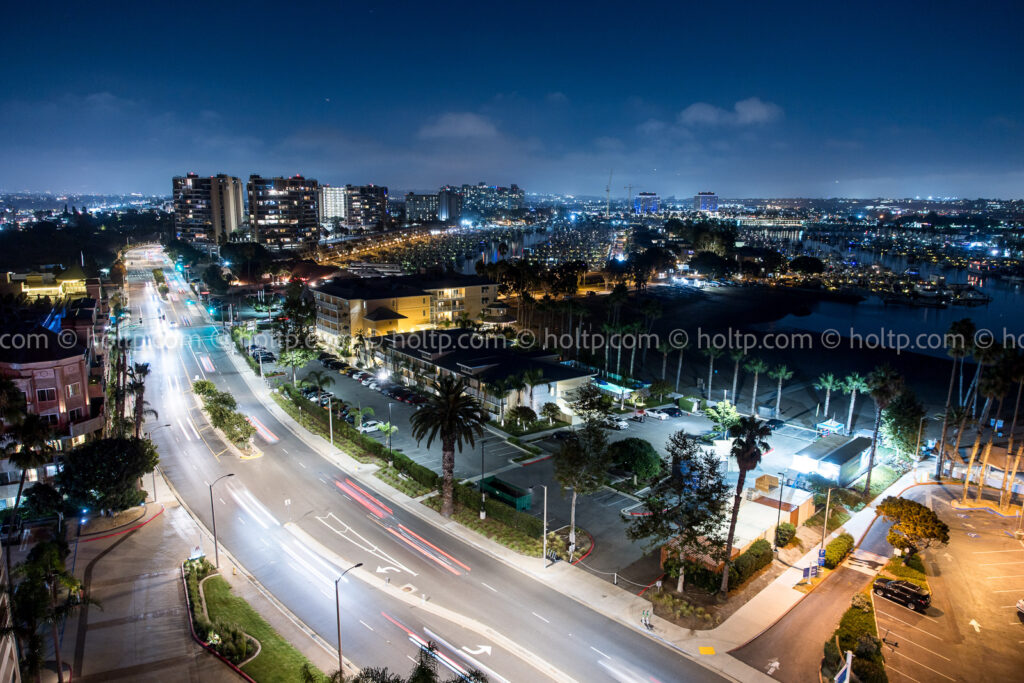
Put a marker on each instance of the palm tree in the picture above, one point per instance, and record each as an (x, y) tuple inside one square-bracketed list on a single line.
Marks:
[(854, 383), (750, 441), (635, 328), (828, 383), (712, 352), (501, 387), (957, 346), (884, 384), (532, 378), (609, 331), (737, 356), (318, 379), (12, 401), (664, 349), (679, 365), (756, 366), (994, 385), (782, 374), (137, 387), (454, 417), (517, 384)]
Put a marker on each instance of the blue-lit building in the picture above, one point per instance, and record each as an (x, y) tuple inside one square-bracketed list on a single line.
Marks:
[(646, 203), (705, 201)]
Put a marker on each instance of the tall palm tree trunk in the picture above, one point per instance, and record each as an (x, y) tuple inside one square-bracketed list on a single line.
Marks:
[(753, 396), (874, 448), (945, 415), (724, 589), (970, 465), (778, 399), (711, 373), (849, 416), (1008, 486), (679, 369), (447, 484)]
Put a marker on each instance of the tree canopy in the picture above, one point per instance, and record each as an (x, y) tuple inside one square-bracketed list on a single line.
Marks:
[(914, 525), (104, 473), (636, 455)]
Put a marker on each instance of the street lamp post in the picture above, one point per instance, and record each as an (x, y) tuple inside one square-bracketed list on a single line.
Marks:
[(778, 519), (391, 457), (483, 498), (337, 610), (824, 525), (920, 428), (213, 515), (330, 418), (545, 546), (154, 469)]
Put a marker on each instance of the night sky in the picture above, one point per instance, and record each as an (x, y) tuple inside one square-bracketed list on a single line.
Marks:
[(747, 99)]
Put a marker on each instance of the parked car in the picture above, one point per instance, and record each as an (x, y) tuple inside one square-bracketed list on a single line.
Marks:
[(562, 435), (325, 355), (265, 357), (369, 426), (253, 348), (1020, 606), (775, 424), (619, 424), (672, 412), (657, 414), (904, 592), (325, 399)]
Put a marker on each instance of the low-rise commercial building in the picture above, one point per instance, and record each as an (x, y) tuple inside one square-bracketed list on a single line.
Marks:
[(348, 307)]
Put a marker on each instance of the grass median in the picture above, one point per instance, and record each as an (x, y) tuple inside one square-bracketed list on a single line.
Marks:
[(278, 659)]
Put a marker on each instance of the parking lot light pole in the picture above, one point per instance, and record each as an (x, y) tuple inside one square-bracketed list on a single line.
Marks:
[(337, 610), (545, 550), (154, 469), (390, 425), (213, 515)]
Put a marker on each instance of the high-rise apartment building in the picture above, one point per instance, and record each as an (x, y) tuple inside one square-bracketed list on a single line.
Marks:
[(206, 209), (646, 203), (421, 208), (283, 211), (366, 207), (331, 203), (705, 201), (449, 204), (482, 199)]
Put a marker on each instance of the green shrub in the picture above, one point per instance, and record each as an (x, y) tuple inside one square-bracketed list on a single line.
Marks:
[(784, 533), (861, 602), (233, 644), (837, 550), (915, 562), (204, 387), (755, 558), (869, 670)]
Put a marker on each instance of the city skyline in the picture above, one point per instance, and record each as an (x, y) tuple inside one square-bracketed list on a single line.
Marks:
[(756, 102)]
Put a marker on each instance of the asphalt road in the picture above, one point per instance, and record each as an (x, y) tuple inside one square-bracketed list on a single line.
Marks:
[(291, 487)]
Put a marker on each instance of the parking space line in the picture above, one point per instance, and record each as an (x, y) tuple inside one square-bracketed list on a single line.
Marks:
[(1011, 576), (996, 564), (897, 652), (890, 667), (910, 625), (907, 640), (986, 552)]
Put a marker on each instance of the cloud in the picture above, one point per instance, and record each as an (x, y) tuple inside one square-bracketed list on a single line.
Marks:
[(458, 125), (751, 111), (557, 98)]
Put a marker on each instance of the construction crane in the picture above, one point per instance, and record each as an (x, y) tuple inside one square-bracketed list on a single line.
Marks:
[(629, 204), (608, 195)]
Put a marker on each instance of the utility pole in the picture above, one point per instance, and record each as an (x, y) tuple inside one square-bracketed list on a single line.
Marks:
[(483, 498), (778, 519), (824, 526)]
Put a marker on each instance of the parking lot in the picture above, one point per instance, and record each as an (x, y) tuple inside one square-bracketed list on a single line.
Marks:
[(972, 625)]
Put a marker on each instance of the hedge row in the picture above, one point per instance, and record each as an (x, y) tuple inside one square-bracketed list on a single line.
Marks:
[(748, 563), (469, 497), (857, 633), (837, 550)]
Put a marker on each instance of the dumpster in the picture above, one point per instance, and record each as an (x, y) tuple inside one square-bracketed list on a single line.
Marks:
[(508, 493)]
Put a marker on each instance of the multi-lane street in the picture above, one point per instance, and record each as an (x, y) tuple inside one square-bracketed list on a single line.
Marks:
[(295, 521)]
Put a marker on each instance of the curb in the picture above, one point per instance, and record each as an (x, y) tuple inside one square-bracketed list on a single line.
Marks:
[(126, 530), (202, 643)]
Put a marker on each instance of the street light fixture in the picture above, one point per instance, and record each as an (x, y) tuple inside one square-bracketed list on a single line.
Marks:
[(213, 515), (154, 468), (337, 610), (778, 519)]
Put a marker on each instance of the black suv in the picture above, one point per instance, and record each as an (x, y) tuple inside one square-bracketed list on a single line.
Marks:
[(903, 592)]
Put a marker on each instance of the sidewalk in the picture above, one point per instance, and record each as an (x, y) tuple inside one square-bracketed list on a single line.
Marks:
[(140, 631)]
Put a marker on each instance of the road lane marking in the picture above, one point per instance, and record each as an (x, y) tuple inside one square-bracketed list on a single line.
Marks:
[(599, 652), (488, 587), (366, 625), (540, 617)]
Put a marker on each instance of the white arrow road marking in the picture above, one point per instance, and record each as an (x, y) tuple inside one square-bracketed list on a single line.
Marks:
[(772, 667), (976, 625), (478, 650), (386, 570)]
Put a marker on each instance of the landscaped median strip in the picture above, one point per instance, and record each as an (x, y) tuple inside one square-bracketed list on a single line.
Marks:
[(506, 643)]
